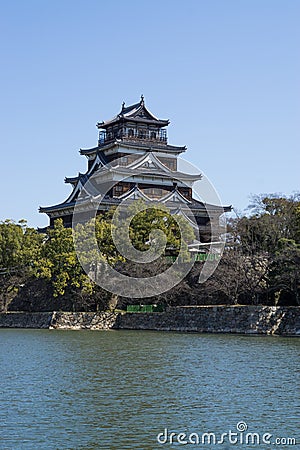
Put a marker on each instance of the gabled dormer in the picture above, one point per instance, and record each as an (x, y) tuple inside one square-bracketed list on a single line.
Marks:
[(134, 123)]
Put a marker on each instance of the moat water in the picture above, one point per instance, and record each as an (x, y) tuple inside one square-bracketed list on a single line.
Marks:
[(131, 389)]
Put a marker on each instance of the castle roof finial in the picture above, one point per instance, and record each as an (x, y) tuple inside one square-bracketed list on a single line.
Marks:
[(123, 105), (142, 100)]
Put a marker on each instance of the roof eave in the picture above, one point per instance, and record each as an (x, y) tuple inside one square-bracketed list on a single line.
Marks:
[(49, 209), (71, 180), (88, 151), (158, 122)]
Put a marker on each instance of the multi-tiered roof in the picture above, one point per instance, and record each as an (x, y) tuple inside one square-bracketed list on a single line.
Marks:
[(133, 155)]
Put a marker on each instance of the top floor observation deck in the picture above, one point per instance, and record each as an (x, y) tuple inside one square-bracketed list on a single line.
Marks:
[(134, 123), (135, 135)]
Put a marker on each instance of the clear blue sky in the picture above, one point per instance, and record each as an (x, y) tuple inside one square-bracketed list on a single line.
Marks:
[(226, 74)]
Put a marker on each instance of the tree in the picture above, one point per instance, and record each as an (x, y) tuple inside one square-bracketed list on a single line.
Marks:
[(58, 261), (20, 247), (266, 243), (285, 271), (274, 217), (143, 234), (150, 226)]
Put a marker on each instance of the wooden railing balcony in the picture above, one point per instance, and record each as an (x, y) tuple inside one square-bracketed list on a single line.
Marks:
[(159, 137)]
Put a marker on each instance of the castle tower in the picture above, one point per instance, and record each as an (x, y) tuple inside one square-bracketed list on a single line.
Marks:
[(131, 143)]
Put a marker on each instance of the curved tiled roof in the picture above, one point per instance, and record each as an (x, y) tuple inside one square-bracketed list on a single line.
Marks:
[(137, 112)]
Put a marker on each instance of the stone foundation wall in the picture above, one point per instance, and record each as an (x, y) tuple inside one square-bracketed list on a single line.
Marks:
[(201, 319), (83, 320), (218, 319), (25, 320)]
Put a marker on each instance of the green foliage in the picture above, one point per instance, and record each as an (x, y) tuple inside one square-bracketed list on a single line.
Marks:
[(104, 234), (52, 256), (271, 235), (58, 261), (11, 237), (265, 264), (285, 268), (20, 246), (154, 227), (274, 218)]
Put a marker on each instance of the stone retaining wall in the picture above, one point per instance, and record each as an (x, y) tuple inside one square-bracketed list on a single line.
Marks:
[(84, 320), (25, 320), (218, 319), (201, 319)]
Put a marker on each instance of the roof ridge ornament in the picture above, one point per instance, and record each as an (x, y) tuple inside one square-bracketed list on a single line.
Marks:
[(142, 102), (123, 106)]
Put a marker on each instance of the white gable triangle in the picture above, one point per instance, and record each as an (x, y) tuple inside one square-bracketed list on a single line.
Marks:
[(182, 213), (149, 161), (98, 161), (175, 196), (134, 194)]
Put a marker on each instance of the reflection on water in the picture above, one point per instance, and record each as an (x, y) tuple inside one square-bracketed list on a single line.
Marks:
[(120, 389)]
